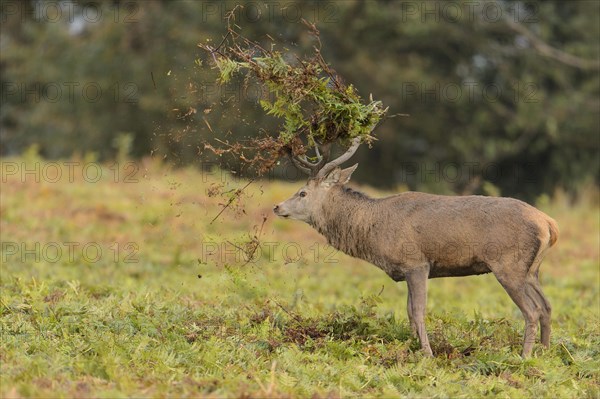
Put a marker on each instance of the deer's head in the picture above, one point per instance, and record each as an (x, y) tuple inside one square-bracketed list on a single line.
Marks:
[(307, 202)]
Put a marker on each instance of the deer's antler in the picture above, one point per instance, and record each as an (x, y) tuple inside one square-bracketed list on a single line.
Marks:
[(328, 167), (322, 153)]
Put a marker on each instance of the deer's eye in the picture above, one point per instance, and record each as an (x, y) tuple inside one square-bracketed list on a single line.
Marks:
[(302, 194)]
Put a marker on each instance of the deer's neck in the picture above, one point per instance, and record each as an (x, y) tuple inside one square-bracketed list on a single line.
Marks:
[(346, 220)]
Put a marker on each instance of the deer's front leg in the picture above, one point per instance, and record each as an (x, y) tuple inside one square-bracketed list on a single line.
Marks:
[(417, 301), (411, 319)]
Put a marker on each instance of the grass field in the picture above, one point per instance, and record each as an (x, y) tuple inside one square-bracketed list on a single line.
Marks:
[(123, 287)]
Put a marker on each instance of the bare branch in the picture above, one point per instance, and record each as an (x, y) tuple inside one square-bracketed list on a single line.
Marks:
[(549, 51)]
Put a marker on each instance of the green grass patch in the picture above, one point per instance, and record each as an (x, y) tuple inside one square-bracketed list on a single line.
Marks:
[(171, 307)]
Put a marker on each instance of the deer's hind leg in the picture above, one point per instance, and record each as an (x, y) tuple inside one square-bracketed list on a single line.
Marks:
[(524, 289), (535, 292)]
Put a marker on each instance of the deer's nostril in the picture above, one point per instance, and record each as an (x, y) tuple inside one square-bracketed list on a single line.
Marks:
[(276, 208)]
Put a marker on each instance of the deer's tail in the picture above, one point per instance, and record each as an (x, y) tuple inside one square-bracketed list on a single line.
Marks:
[(553, 228), (553, 237)]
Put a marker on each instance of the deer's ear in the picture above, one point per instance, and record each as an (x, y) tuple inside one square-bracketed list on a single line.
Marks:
[(339, 176), (345, 174)]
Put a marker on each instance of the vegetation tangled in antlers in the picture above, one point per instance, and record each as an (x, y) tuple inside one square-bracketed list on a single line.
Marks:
[(318, 109)]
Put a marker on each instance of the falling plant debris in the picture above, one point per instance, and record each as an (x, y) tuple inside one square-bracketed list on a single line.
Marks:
[(235, 195), (251, 246)]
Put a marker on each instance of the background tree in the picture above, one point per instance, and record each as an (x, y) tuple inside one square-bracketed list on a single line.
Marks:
[(508, 91)]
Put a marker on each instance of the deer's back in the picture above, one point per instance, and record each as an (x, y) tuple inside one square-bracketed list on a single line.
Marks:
[(458, 235)]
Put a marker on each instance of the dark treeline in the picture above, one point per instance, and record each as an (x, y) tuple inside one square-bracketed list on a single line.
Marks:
[(499, 95)]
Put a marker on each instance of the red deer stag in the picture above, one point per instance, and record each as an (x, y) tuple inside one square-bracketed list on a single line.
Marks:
[(416, 236)]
